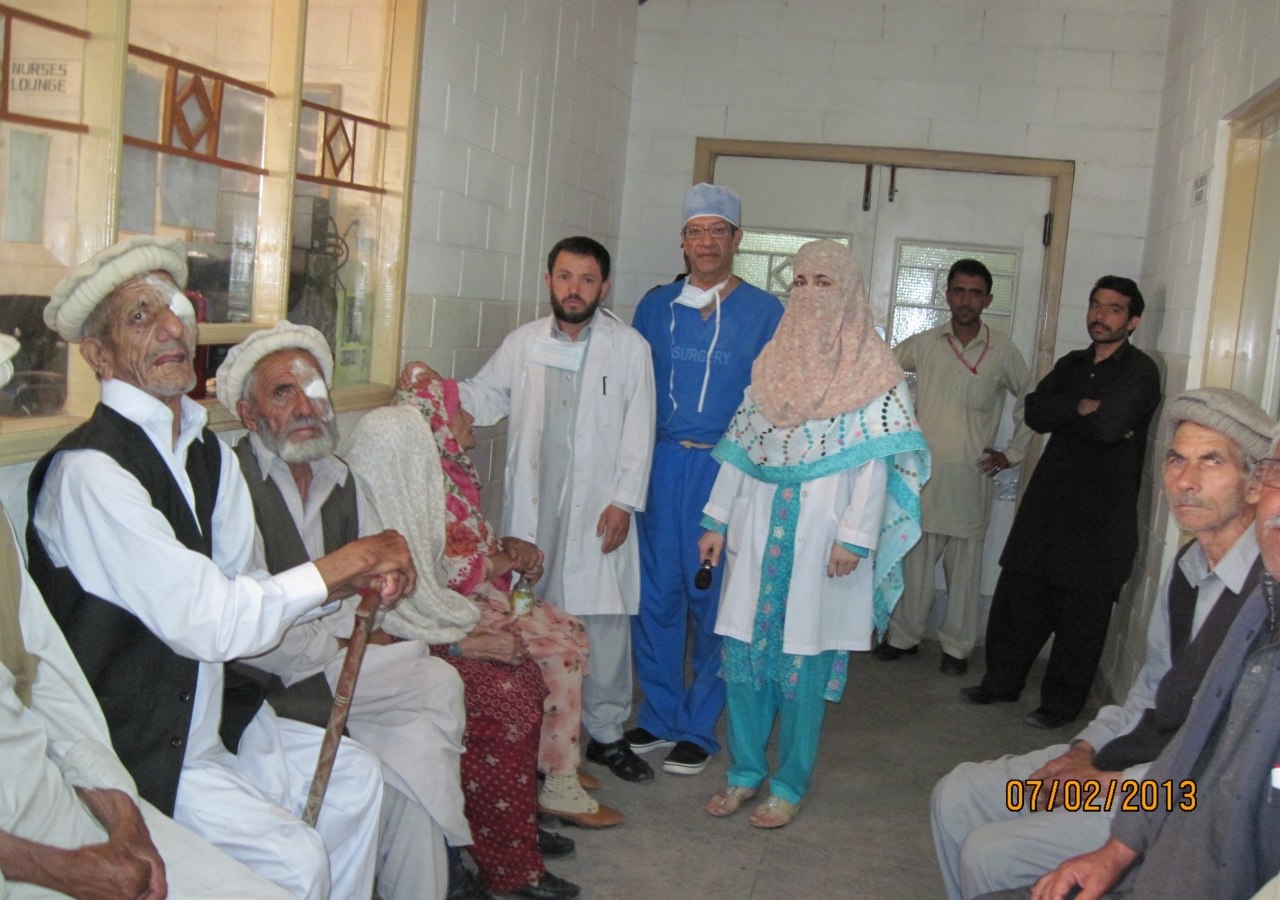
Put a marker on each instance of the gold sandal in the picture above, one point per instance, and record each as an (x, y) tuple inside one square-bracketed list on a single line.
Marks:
[(776, 804), (730, 799)]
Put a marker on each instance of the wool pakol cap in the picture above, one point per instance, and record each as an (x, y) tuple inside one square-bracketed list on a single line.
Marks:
[(235, 369), (88, 284), (712, 200), (1227, 412)]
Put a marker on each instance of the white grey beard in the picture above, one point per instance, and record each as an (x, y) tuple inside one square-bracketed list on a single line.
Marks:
[(295, 452), (308, 451)]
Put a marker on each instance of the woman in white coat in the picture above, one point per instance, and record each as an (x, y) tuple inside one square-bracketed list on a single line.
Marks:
[(816, 504)]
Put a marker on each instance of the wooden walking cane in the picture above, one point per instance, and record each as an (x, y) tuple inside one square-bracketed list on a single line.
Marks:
[(341, 705)]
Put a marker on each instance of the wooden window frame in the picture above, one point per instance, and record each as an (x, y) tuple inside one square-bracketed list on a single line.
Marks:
[(97, 202)]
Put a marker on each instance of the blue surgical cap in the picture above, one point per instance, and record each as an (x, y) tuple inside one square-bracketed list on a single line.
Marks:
[(712, 200)]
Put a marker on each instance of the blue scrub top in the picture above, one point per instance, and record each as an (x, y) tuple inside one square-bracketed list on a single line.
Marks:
[(748, 317)]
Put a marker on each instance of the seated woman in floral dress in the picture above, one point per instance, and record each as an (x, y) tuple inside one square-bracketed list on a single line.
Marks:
[(485, 568), (393, 451)]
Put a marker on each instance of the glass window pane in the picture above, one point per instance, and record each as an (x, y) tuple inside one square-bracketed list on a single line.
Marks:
[(909, 320), (212, 209), (45, 72), (764, 258), (920, 285), (915, 285), (39, 186), (332, 276)]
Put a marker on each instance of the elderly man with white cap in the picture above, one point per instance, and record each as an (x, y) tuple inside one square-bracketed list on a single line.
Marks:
[(71, 820), (704, 332), (140, 539), (987, 834), (408, 707)]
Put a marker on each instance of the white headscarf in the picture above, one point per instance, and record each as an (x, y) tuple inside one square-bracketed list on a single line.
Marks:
[(393, 452)]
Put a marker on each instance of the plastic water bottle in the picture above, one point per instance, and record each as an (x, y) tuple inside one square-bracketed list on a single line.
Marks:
[(522, 597)]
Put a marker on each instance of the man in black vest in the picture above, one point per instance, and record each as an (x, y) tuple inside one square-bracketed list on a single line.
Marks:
[(1218, 834), (71, 819), (408, 707), (140, 536), (1217, 437), (1073, 541)]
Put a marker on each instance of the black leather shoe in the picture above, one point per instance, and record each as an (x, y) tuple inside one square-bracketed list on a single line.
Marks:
[(463, 885), (953, 665), (620, 759), (548, 887), (1043, 718), (552, 845), (982, 696), (886, 652)]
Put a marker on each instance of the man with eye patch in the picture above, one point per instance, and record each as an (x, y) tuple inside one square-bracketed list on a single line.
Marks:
[(408, 706), (140, 538), (1216, 439)]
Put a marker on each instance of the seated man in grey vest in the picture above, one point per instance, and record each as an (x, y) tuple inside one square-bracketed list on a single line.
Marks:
[(71, 820), (140, 539), (1216, 438), (407, 707), (1213, 834)]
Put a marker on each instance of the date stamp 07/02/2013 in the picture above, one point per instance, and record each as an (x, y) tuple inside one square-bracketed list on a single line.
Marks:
[(1071, 795)]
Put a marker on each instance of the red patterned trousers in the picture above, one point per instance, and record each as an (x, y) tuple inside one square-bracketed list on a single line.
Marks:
[(500, 768)]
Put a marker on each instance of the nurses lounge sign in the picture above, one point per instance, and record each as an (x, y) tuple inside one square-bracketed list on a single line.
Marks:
[(45, 87)]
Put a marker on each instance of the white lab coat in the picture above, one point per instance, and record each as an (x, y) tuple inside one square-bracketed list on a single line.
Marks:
[(613, 446), (822, 613)]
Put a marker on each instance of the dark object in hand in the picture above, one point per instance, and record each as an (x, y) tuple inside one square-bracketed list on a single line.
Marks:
[(702, 580)]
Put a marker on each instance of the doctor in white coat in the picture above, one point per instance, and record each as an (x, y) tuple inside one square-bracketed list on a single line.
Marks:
[(578, 387)]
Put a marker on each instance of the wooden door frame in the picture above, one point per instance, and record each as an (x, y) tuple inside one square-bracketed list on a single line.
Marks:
[(1060, 172), (1235, 227)]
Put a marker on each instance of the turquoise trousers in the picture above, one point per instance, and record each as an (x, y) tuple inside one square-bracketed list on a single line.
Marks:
[(751, 714)]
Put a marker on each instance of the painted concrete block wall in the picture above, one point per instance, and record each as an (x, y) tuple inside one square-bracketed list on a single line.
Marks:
[(522, 136), (1067, 79), (1220, 55)]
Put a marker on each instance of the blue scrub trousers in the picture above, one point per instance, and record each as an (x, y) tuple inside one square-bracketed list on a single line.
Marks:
[(679, 485), (751, 713)]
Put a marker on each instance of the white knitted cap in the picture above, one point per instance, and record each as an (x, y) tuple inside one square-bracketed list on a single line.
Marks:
[(91, 282), (235, 369)]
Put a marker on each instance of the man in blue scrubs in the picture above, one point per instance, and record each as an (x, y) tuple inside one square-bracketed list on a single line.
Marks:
[(705, 331)]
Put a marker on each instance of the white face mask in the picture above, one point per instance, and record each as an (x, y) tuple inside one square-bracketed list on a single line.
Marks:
[(698, 298), (546, 351)]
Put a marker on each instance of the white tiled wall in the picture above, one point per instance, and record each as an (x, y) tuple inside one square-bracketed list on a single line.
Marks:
[(1220, 54), (1068, 79), (522, 136)]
